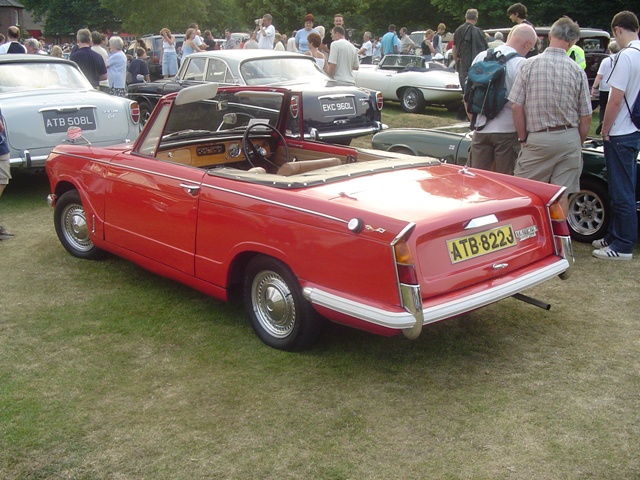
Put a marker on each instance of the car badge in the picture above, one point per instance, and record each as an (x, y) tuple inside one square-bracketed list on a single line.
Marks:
[(526, 233)]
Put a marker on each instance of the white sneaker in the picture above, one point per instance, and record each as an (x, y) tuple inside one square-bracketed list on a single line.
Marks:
[(601, 243), (607, 254)]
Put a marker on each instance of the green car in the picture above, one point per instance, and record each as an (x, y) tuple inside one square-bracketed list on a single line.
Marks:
[(589, 209)]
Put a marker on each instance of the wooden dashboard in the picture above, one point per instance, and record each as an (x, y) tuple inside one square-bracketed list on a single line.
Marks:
[(209, 153)]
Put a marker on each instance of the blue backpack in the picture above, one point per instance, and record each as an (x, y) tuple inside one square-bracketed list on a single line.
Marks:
[(485, 91)]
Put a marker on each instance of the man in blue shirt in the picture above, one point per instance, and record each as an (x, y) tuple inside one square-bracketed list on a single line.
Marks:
[(390, 42)]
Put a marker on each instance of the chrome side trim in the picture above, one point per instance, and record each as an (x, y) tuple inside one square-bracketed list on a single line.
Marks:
[(71, 108), (345, 133), (405, 320)]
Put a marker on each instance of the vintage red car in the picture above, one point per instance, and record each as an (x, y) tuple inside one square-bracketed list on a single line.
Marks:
[(214, 195)]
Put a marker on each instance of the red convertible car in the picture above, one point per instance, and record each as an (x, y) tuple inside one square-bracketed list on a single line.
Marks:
[(213, 194)]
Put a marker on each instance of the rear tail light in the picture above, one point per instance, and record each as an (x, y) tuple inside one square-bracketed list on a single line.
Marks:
[(134, 111), (408, 287), (559, 223), (379, 100), (404, 264), (561, 235)]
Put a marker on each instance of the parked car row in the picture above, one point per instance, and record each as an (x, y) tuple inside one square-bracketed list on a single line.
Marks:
[(320, 109)]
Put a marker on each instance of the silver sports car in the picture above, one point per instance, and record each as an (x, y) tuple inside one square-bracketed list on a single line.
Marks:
[(412, 81), (42, 96)]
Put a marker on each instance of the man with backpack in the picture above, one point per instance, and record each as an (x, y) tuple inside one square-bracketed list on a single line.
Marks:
[(552, 113), (495, 143), (621, 136)]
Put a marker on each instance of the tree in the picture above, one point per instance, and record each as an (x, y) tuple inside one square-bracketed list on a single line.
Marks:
[(68, 16), (493, 13), (150, 16)]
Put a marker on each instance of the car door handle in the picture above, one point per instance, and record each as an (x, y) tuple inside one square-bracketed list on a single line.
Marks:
[(191, 189)]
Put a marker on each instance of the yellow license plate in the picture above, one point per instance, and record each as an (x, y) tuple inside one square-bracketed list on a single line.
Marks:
[(472, 246)]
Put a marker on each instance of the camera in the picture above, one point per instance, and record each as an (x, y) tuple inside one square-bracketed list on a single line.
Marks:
[(257, 20)]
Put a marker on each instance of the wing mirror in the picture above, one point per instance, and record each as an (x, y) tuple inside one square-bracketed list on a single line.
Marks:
[(74, 134)]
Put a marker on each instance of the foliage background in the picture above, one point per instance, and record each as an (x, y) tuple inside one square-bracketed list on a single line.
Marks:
[(147, 16)]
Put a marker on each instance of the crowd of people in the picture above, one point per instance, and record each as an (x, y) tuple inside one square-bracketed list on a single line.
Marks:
[(537, 135), (540, 131)]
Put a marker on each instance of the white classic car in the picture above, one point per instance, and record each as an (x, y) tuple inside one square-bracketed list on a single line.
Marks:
[(42, 96), (413, 81)]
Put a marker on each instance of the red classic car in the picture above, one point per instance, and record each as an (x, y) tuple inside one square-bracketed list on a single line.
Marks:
[(213, 194)]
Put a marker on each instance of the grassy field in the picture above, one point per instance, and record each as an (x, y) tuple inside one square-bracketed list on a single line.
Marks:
[(110, 372)]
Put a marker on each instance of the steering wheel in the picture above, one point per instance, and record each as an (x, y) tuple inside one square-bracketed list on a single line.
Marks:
[(251, 152)]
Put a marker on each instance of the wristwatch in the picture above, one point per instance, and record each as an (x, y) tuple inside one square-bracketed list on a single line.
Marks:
[(522, 140)]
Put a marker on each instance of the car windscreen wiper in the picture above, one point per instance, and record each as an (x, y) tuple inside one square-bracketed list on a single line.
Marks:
[(186, 133)]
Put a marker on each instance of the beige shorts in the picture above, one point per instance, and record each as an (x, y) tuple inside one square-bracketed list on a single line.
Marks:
[(5, 169), (552, 157)]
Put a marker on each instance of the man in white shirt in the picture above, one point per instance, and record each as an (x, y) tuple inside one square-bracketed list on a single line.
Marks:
[(621, 138), (265, 32), (343, 58), (496, 147), (367, 49), (13, 44)]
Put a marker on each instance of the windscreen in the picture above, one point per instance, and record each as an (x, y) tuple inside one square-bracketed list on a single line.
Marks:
[(269, 71), (41, 75)]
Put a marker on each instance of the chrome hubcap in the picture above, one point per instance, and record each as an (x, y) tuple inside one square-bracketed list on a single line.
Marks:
[(273, 304), (410, 99), (75, 228)]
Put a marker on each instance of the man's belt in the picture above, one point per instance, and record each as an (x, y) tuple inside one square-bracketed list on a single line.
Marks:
[(554, 129)]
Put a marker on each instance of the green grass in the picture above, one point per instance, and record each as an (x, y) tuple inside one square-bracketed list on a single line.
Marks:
[(110, 372)]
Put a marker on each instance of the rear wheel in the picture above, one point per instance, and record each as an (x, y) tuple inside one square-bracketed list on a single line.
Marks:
[(72, 228), (277, 311), (412, 100), (589, 212)]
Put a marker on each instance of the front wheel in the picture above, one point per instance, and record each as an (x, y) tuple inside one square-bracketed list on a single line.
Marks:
[(589, 212), (277, 311), (412, 100), (72, 229)]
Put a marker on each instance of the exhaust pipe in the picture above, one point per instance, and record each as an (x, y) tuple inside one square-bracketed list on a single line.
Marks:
[(532, 301)]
